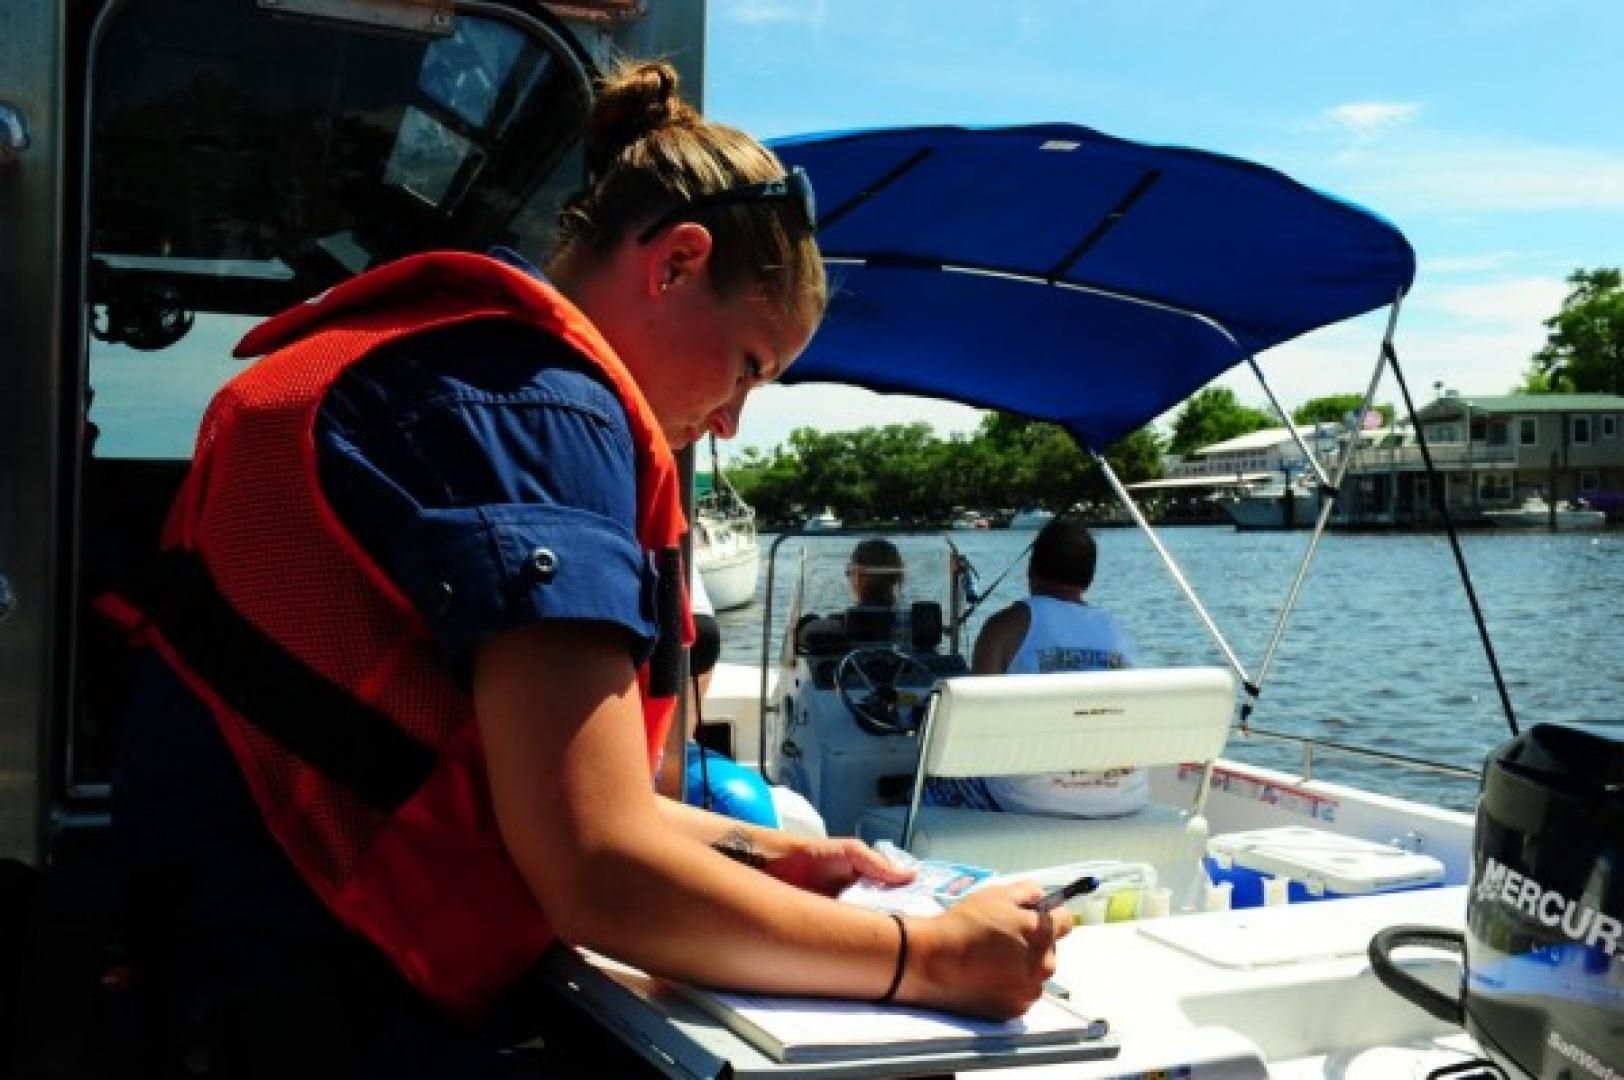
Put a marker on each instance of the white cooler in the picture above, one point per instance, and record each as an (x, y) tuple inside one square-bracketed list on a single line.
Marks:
[(1321, 865)]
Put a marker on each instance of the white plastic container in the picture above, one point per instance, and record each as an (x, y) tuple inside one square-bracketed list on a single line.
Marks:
[(1321, 865)]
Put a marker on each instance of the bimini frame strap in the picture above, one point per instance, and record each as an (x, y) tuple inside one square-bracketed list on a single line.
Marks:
[(1331, 490), (1442, 506)]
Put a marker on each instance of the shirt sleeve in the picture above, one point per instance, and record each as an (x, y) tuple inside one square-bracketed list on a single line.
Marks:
[(492, 477)]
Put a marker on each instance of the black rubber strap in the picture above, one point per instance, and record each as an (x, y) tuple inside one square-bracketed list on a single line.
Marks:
[(902, 960), (349, 742), (665, 662)]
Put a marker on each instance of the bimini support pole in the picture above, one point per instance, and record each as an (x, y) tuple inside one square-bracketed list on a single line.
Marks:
[(1285, 418), (1332, 490), (1172, 567)]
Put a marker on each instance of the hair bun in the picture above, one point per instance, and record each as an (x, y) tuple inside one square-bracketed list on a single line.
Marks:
[(633, 101)]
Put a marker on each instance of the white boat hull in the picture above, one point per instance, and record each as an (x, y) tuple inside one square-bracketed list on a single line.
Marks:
[(1269, 512), (730, 580), (1030, 520), (1566, 520)]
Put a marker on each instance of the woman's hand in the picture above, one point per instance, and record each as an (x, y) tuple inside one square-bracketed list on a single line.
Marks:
[(988, 956), (828, 865)]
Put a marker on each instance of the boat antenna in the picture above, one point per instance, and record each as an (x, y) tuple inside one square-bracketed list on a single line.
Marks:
[(722, 490), (1438, 503), (974, 596)]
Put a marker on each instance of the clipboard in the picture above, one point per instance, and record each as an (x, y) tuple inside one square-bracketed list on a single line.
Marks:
[(677, 1038)]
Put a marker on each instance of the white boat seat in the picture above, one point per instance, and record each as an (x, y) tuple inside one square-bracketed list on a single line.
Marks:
[(1011, 725)]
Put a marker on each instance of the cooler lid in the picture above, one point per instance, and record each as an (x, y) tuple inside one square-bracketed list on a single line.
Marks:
[(1341, 864)]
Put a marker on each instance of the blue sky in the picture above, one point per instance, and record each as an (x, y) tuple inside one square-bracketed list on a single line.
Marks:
[(1490, 132)]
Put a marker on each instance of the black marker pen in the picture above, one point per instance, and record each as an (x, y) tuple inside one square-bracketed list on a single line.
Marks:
[(1070, 891)]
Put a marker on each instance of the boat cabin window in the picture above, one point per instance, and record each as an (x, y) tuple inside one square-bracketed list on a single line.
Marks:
[(241, 161)]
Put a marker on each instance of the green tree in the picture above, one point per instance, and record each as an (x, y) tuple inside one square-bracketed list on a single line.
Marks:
[(1536, 381), (1334, 409), (1584, 344), (770, 483), (1211, 416), (902, 473)]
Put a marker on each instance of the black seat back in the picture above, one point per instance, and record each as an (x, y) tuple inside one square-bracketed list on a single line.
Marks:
[(925, 625)]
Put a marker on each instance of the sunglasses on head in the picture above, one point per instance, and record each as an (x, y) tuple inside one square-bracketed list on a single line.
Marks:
[(796, 187)]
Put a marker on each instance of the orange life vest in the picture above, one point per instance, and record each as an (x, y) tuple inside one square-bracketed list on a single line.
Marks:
[(358, 744)]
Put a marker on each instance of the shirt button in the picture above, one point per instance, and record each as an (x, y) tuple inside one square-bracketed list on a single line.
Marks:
[(441, 600), (542, 565)]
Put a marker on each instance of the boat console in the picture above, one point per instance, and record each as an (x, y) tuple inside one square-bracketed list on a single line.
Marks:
[(853, 686)]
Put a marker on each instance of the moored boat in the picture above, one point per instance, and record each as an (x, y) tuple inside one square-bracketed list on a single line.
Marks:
[(1031, 519), (826, 520), (726, 551), (1536, 513), (727, 555), (1275, 504)]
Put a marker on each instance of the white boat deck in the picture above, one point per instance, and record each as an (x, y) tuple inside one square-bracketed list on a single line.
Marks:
[(1280, 993)]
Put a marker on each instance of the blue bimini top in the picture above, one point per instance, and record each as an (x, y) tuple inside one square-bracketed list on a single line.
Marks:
[(1065, 275)]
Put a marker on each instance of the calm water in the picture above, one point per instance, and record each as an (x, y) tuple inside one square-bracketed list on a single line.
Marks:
[(1381, 650)]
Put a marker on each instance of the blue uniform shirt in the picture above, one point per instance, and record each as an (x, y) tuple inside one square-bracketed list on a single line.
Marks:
[(459, 456)]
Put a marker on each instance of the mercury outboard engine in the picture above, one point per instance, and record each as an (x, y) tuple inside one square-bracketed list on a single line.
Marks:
[(1542, 991)]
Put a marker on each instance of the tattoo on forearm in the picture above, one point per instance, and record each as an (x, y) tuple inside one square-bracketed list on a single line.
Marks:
[(737, 846)]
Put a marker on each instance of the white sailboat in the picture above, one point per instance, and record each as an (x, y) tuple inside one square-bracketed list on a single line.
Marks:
[(726, 551)]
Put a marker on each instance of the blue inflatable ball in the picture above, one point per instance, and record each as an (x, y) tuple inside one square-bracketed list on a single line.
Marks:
[(735, 790)]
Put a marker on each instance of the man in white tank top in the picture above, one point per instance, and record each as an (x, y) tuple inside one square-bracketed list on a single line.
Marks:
[(1052, 630)]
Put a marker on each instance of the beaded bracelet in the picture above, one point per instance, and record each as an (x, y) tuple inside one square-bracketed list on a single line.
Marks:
[(902, 960)]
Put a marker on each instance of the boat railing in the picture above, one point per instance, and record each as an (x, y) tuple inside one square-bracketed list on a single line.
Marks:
[(1308, 744), (1370, 458)]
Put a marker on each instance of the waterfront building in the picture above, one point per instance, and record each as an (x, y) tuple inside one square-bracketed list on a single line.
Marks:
[(1256, 456), (1490, 453)]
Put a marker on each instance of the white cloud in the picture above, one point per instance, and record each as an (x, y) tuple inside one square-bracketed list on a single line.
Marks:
[(1516, 302), (1433, 172), (759, 12), (1468, 264), (1368, 117), (1455, 336)]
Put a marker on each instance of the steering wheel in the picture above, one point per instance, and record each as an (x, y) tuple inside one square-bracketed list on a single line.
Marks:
[(879, 668)]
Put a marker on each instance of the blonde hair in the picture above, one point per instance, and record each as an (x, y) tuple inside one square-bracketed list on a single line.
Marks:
[(648, 150)]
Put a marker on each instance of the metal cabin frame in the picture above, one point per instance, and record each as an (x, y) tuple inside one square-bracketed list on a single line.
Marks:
[(47, 59)]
